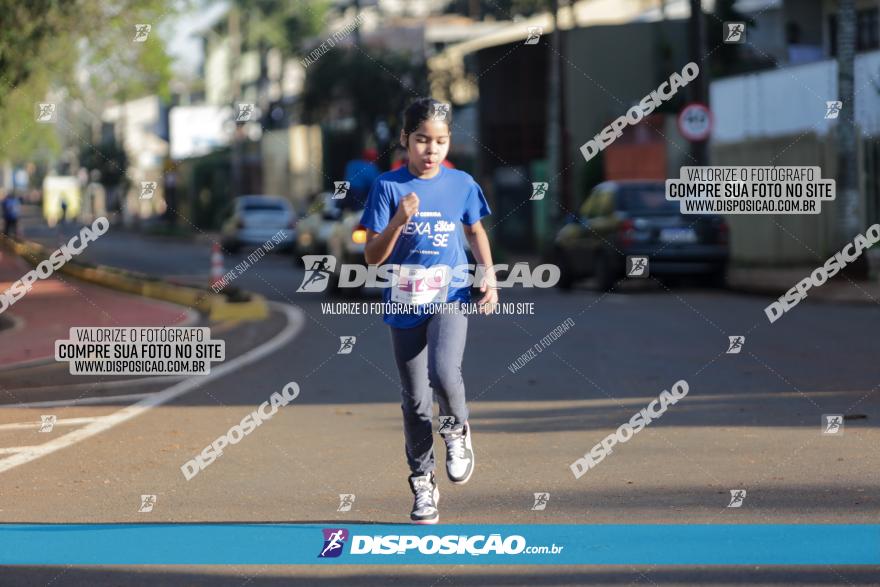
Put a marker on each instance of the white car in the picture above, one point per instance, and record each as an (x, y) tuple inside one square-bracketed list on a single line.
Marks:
[(256, 219)]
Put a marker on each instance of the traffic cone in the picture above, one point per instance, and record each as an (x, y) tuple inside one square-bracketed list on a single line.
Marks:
[(216, 264)]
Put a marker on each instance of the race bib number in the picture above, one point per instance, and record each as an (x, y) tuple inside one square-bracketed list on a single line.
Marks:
[(419, 285)]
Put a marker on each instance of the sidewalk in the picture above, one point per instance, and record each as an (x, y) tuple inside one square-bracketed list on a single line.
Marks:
[(776, 281), (53, 305)]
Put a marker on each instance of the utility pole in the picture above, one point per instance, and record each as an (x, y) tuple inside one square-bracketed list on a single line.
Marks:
[(698, 88), (234, 61), (357, 29), (563, 127), (847, 164), (553, 132)]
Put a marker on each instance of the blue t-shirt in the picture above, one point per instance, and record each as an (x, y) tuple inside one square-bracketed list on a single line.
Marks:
[(431, 239)]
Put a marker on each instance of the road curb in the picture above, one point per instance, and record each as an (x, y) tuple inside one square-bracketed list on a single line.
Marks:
[(233, 304), (838, 291)]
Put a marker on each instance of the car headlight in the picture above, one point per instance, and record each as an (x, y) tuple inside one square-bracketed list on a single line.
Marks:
[(359, 236)]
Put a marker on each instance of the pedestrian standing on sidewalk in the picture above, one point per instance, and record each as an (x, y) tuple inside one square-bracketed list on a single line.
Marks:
[(11, 212), (412, 217), (63, 211)]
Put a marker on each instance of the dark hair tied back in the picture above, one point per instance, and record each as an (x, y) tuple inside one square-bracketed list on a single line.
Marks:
[(423, 109)]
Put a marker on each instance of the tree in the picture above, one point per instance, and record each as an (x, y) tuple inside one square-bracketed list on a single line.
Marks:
[(281, 24), (381, 84), (109, 158), (847, 212), (47, 44)]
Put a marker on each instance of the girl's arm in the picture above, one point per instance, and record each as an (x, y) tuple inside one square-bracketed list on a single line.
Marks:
[(380, 244), (479, 241)]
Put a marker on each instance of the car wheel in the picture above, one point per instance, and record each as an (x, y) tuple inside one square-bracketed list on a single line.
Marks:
[(232, 246), (717, 278), (566, 276), (606, 275)]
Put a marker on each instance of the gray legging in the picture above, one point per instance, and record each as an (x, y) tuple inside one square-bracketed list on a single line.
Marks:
[(429, 356)]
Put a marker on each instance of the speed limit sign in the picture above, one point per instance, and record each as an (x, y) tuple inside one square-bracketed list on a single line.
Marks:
[(695, 122)]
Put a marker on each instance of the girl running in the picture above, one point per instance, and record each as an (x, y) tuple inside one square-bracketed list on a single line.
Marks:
[(412, 217)]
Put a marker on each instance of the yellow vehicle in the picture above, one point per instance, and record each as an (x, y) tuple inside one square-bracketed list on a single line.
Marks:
[(60, 192)]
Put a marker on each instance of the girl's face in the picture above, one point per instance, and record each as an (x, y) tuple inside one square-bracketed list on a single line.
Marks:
[(426, 147)]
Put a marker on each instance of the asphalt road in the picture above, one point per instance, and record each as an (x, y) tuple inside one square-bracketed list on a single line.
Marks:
[(750, 421)]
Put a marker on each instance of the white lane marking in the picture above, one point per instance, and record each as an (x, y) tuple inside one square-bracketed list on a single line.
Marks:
[(14, 449), (295, 323), (103, 399), (64, 422)]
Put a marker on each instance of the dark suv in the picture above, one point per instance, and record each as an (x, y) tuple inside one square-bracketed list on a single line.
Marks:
[(621, 218)]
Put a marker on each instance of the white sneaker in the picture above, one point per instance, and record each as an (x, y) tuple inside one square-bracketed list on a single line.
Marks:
[(426, 494), (459, 454)]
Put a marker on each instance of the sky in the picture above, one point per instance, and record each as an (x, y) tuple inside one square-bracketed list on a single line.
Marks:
[(181, 34)]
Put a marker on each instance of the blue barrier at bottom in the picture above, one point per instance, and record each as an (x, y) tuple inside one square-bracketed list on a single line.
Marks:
[(339, 543)]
